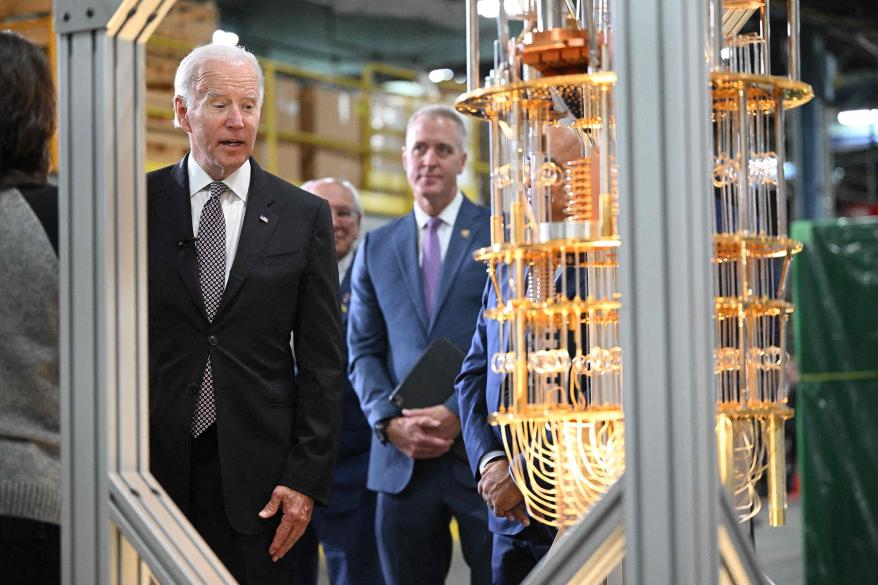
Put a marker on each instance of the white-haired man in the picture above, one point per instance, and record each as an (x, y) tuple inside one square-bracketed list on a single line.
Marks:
[(242, 436)]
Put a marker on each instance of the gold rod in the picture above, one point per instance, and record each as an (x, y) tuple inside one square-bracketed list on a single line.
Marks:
[(777, 485)]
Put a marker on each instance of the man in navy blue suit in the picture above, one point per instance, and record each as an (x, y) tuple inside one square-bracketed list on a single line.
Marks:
[(346, 527), (519, 542), (414, 281)]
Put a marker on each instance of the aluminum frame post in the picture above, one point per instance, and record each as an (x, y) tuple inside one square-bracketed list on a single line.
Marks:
[(665, 205), (104, 362)]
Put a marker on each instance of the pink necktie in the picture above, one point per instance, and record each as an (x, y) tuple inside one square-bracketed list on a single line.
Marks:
[(431, 267)]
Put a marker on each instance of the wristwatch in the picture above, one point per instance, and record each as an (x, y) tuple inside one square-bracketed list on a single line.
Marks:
[(380, 429)]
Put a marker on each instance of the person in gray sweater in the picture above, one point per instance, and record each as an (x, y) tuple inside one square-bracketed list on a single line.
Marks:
[(30, 466)]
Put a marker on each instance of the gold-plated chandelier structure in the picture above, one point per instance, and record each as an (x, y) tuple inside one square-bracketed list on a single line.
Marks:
[(553, 255), (752, 252)]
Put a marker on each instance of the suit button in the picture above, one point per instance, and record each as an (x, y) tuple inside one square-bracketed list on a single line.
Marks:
[(192, 388), (211, 340)]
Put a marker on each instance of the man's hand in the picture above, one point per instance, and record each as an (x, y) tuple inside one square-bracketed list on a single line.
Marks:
[(448, 424), (297, 508), (417, 436), (500, 492)]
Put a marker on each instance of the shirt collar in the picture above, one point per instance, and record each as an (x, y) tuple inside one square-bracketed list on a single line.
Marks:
[(448, 215), (238, 182)]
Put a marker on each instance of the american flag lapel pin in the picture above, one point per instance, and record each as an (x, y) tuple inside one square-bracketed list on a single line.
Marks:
[(263, 219)]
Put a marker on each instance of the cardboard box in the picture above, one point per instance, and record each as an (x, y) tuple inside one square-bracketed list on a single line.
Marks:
[(331, 113), (161, 66), (24, 8), (165, 147), (288, 104), (37, 30), (159, 102), (289, 160), (191, 21), (319, 163)]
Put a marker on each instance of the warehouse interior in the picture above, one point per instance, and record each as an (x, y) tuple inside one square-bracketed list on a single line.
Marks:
[(342, 78)]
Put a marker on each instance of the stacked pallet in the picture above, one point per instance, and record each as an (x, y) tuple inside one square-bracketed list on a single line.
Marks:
[(13, 10), (330, 115), (280, 127), (190, 23)]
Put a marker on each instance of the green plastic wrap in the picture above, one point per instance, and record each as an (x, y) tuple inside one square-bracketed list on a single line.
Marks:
[(837, 425), (835, 289)]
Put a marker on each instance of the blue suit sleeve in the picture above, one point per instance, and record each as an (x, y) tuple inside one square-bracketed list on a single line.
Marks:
[(367, 344), (471, 389), (453, 404)]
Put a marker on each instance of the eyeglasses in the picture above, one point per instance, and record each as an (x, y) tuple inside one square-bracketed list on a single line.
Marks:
[(344, 213)]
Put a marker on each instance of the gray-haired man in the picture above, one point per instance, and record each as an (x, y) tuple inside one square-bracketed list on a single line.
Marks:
[(242, 436)]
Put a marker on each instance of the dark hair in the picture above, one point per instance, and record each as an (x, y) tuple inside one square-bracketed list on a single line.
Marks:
[(27, 107)]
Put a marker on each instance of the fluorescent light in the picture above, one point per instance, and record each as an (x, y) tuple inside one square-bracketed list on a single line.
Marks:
[(403, 87), (221, 37), (491, 8), (439, 75), (858, 118), (488, 8)]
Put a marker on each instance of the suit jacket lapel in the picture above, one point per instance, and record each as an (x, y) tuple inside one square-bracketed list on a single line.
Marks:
[(178, 218), (344, 294), (255, 232), (405, 241), (464, 234)]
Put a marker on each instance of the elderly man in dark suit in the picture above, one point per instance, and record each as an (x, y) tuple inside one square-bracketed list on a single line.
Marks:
[(243, 437), (519, 542), (345, 528), (414, 281)]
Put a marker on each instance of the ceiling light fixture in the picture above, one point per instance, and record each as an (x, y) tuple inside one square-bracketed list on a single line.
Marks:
[(491, 8), (440, 75), (221, 37), (858, 118)]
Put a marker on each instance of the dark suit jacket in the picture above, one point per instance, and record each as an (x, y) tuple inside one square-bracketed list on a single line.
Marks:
[(277, 421), (356, 436), (478, 387), (388, 328)]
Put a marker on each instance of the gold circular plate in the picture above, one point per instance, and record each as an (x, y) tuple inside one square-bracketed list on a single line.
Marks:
[(730, 307), (731, 246), (539, 414), (735, 410), (763, 91), (507, 253), (487, 101), (592, 310), (743, 4)]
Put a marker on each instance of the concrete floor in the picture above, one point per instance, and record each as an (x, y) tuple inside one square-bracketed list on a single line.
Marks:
[(779, 551)]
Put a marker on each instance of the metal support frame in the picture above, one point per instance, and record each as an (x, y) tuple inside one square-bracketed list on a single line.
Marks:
[(104, 368), (668, 511), (665, 204), (670, 514), (590, 550)]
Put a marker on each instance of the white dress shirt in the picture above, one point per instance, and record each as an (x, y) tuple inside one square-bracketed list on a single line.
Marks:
[(448, 217), (233, 202)]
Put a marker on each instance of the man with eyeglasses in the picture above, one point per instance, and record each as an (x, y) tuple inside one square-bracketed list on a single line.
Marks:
[(346, 527)]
